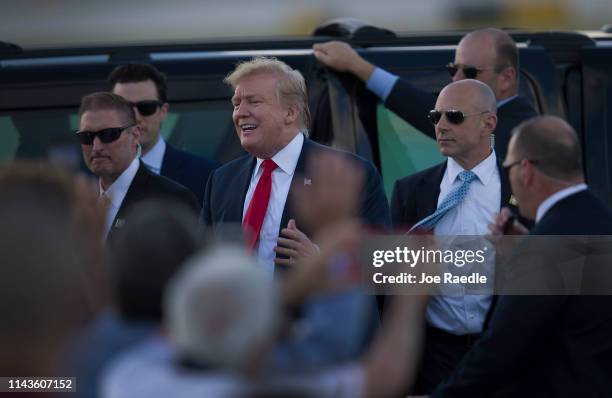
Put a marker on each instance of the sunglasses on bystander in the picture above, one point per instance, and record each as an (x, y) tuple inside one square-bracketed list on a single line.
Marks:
[(148, 107), (453, 116), (105, 135), (470, 72)]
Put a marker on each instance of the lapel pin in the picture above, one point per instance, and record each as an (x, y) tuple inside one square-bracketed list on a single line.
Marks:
[(307, 181), (119, 223), (513, 201)]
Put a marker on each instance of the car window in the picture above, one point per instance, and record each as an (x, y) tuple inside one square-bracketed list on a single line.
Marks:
[(202, 127)]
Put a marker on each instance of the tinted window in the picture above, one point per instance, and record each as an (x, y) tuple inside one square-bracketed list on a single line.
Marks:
[(204, 128)]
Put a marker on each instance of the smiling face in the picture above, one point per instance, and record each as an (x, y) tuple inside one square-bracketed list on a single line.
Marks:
[(264, 123), (108, 160)]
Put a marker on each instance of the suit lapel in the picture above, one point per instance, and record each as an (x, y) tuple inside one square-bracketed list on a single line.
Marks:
[(133, 195), (235, 203), (299, 177), (170, 163), (429, 191)]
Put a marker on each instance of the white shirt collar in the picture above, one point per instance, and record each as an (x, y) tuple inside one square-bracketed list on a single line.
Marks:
[(505, 101), (118, 189), (556, 197), (155, 156), (483, 170), (286, 159)]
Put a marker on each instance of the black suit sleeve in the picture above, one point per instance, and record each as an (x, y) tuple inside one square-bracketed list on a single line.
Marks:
[(412, 105), (396, 206), (191, 200), (375, 208), (206, 213), (519, 327)]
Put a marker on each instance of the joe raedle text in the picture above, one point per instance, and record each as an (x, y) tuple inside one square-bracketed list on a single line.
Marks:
[(421, 266), (428, 279)]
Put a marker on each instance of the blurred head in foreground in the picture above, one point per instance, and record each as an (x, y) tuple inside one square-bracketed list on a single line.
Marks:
[(222, 310)]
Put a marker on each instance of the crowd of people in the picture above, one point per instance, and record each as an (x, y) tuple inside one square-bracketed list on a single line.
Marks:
[(172, 275)]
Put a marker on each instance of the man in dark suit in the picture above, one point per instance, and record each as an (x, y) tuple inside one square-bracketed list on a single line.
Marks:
[(488, 55), (543, 345), (271, 117), (457, 197), (145, 88), (110, 137)]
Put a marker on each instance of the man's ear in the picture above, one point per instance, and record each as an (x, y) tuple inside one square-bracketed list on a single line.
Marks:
[(292, 114), (529, 171), (163, 111), (507, 79), (489, 122), (136, 133)]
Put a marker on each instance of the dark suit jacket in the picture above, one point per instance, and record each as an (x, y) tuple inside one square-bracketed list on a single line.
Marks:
[(416, 196), (413, 105), (545, 346), (187, 169), (148, 185), (227, 187)]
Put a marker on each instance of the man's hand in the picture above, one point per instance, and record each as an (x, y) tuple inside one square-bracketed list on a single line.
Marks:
[(326, 270), (294, 244), (505, 224), (340, 56)]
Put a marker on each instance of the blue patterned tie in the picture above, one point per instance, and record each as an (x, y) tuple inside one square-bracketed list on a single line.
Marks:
[(451, 200)]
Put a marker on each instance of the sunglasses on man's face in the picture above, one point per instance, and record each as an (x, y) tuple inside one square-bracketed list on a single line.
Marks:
[(470, 72), (146, 108), (105, 135), (453, 116)]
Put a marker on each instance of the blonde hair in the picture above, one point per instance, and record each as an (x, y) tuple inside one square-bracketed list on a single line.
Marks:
[(291, 86)]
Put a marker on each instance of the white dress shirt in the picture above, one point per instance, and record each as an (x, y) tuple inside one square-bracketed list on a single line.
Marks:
[(154, 158), (117, 191), (556, 197), (465, 314), (286, 160)]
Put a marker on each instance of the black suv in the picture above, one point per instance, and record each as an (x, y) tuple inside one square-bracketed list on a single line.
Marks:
[(563, 73)]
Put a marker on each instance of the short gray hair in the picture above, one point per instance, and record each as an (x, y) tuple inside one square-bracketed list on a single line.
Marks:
[(221, 307), (552, 144), (291, 85)]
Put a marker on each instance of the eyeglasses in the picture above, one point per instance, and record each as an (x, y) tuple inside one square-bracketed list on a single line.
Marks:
[(470, 72), (454, 116), (508, 166), (105, 135), (148, 107)]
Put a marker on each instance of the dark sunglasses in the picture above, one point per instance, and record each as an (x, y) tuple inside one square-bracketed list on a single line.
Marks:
[(454, 116), (105, 135), (148, 107), (470, 72)]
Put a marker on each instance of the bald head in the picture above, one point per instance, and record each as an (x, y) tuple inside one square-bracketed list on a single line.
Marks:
[(552, 144), (495, 55), (506, 52), (467, 140), (476, 94), (544, 157)]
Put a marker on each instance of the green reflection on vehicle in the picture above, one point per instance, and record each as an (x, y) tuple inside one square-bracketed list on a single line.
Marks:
[(404, 150), (9, 140)]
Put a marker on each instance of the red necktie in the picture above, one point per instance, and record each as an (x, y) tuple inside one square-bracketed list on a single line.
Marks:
[(254, 217)]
